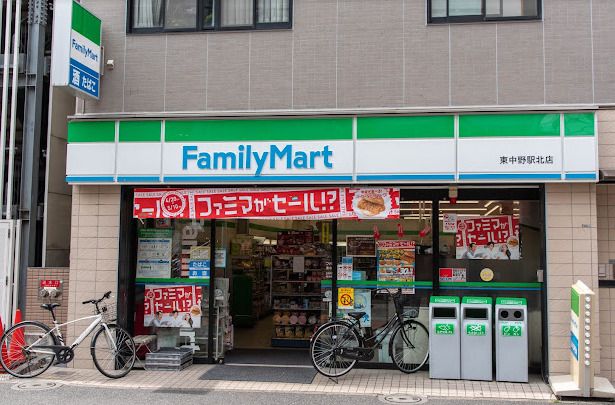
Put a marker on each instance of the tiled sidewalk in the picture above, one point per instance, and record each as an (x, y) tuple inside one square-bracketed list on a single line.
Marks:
[(358, 381)]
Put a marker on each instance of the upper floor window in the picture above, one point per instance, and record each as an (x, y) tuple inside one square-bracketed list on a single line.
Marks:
[(193, 15), (482, 10)]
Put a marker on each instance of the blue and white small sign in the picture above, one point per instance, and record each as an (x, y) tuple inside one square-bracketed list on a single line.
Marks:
[(574, 346), (199, 269), (84, 70)]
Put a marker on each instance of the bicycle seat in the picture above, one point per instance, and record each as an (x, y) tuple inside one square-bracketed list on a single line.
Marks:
[(356, 315), (50, 307)]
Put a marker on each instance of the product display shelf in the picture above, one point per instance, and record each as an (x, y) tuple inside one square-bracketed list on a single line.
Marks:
[(252, 266), (296, 298)]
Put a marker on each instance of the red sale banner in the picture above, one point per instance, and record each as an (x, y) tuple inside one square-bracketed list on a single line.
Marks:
[(325, 203), (495, 238), (172, 306)]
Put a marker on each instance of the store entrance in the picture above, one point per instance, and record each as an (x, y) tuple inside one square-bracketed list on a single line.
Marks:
[(275, 269)]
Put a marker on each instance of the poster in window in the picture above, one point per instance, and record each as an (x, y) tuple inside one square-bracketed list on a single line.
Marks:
[(362, 303), (488, 238), (154, 253), (172, 306), (220, 258), (396, 260), (344, 269), (449, 223), (360, 246), (452, 275)]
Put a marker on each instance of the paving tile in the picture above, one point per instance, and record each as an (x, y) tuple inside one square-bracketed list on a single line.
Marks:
[(358, 382)]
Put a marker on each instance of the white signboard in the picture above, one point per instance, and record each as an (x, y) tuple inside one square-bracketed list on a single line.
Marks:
[(257, 159), (76, 50), (456, 159)]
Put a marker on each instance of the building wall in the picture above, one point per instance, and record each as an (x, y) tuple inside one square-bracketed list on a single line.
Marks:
[(56, 249), (607, 339), (362, 54), (606, 138), (606, 252), (572, 255), (94, 255), (33, 302)]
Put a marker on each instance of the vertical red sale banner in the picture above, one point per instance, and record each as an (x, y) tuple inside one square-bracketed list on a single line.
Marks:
[(172, 306)]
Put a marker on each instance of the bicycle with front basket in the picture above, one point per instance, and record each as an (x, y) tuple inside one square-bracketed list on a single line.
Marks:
[(338, 345), (32, 347)]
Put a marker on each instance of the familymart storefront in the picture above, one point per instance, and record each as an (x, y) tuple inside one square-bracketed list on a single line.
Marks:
[(271, 220)]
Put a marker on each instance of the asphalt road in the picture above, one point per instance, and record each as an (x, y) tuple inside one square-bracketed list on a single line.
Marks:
[(69, 395)]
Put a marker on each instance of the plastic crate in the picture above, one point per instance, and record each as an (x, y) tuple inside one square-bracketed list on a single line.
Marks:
[(169, 359), (166, 367)]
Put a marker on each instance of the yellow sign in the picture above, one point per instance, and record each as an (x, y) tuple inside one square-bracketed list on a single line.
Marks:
[(486, 274), (345, 298)]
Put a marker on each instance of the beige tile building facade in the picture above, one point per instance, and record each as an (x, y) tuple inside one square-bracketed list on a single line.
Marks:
[(372, 57)]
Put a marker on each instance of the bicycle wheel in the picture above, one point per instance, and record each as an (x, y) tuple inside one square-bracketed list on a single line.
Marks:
[(113, 351), (20, 356), (327, 344), (409, 346)]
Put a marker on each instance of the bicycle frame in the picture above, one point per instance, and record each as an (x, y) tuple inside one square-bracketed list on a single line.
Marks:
[(96, 321), (379, 337)]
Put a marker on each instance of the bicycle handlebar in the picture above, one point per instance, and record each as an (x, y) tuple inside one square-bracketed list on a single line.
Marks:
[(96, 302)]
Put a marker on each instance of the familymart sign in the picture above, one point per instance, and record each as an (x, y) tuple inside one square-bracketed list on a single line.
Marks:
[(502, 148), (76, 51)]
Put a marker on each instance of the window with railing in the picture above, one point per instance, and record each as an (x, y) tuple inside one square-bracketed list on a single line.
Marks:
[(197, 15)]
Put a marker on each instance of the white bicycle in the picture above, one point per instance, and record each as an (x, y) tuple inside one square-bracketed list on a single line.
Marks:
[(29, 348)]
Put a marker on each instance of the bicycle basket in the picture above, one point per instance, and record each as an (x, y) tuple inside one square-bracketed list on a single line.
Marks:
[(108, 311), (407, 305)]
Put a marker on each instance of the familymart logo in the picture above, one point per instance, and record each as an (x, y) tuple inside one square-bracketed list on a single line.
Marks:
[(249, 157)]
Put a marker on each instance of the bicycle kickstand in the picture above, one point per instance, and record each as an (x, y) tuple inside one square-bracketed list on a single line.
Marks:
[(334, 380)]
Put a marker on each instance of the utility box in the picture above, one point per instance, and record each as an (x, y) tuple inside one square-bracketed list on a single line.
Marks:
[(476, 335), (511, 345), (444, 338)]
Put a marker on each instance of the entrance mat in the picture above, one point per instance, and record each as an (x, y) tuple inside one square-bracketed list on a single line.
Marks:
[(286, 357), (296, 375)]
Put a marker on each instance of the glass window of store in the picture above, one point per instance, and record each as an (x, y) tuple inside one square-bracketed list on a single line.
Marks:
[(171, 291), (491, 244), (276, 280), (387, 254)]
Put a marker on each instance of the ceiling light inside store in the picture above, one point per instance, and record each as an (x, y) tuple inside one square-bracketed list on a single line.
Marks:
[(493, 209), (463, 209), (459, 202), (488, 204)]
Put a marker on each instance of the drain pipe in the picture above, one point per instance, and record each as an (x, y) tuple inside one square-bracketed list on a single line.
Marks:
[(14, 90), (5, 94)]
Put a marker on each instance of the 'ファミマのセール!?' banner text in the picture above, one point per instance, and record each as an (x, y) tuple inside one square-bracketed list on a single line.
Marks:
[(307, 204)]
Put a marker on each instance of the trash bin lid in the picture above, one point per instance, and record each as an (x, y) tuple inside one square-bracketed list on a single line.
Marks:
[(443, 300), (477, 300), (511, 301)]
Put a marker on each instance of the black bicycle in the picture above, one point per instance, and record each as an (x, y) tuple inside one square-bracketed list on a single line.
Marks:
[(337, 345)]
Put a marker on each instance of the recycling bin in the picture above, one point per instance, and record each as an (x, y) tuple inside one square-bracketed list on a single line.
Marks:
[(444, 338), (476, 336), (511, 344)]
